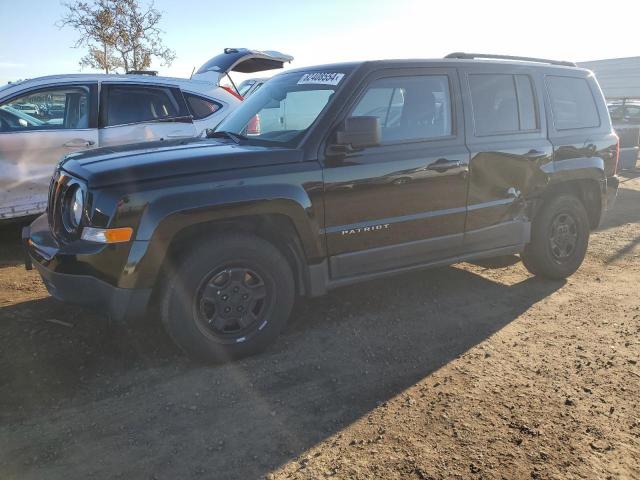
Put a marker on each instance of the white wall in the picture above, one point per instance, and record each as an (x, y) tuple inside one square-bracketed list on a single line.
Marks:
[(618, 77)]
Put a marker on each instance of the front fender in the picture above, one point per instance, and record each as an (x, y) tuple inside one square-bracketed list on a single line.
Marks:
[(168, 215)]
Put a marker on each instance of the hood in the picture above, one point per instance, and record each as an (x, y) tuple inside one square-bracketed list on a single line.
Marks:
[(240, 60), (104, 167)]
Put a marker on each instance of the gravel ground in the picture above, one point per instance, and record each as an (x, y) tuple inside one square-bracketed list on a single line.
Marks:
[(471, 371)]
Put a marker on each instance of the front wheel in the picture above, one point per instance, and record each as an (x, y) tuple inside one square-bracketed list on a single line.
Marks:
[(229, 298), (559, 238)]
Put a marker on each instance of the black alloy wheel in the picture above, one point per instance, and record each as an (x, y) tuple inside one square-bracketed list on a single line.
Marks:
[(232, 301)]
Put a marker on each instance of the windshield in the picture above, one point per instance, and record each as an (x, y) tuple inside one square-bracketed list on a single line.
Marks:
[(284, 108), (245, 86)]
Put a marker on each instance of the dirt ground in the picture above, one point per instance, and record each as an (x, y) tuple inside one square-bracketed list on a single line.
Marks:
[(471, 371)]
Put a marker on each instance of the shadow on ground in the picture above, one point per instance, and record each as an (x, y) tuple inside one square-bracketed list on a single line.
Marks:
[(10, 248), (129, 395), (626, 209)]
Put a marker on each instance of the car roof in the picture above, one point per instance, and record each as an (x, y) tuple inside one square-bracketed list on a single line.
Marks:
[(103, 77), (429, 62)]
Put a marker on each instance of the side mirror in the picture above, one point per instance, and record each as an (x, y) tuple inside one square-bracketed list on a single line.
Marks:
[(359, 132)]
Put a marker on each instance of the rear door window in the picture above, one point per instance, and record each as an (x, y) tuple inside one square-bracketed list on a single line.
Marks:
[(502, 104), (409, 108), (572, 103), (127, 104)]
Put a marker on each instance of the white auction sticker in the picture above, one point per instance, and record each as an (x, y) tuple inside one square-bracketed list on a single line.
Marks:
[(321, 78)]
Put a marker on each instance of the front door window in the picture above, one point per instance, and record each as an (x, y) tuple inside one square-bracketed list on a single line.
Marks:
[(48, 109)]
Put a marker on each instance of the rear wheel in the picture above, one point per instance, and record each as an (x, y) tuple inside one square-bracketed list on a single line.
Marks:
[(559, 238), (230, 297)]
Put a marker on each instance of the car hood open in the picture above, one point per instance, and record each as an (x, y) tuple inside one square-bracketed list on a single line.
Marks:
[(240, 60)]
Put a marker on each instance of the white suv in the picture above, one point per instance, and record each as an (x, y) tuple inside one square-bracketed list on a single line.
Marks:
[(43, 119)]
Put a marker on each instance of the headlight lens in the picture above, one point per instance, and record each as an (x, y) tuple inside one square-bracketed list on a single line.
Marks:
[(78, 206), (73, 208)]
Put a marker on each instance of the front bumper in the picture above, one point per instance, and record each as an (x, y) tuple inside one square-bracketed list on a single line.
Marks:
[(56, 269)]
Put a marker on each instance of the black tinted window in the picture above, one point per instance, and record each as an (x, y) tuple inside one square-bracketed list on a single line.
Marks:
[(572, 103), (200, 107), (134, 104), (495, 104), (409, 108), (502, 103)]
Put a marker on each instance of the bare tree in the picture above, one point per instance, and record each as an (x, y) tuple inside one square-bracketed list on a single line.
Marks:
[(117, 33)]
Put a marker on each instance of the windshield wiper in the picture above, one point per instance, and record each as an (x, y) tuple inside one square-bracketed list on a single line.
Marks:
[(236, 137)]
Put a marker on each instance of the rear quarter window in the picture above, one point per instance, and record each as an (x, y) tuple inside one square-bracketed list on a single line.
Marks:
[(572, 103), (200, 107)]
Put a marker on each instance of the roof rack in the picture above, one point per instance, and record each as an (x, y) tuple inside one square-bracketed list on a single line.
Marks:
[(509, 57), (151, 73)]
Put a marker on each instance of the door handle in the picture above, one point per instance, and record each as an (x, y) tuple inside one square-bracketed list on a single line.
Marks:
[(442, 165), (79, 143)]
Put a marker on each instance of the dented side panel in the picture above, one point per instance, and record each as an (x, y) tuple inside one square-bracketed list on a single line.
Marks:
[(27, 160), (506, 169)]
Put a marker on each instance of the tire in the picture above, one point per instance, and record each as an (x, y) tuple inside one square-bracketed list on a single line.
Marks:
[(229, 298), (559, 238)]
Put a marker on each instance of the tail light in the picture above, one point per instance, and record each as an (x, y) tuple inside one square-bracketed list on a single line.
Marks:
[(233, 92), (615, 168), (253, 127)]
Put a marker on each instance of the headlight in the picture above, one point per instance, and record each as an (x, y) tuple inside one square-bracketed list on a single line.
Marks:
[(72, 208)]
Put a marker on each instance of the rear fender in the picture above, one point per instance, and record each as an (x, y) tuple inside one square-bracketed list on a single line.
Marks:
[(584, 177), (581, 168)]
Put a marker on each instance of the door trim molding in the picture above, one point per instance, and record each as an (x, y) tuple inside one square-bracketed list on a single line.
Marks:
[(393, 220), (515, 233), (393, 256)]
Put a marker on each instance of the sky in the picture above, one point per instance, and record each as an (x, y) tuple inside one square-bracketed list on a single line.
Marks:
[(326, 31)]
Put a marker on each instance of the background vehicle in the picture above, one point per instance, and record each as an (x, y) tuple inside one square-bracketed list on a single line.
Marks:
[(28, 108), (625, 116), (625, 112), (85, 111), (250, 86), (16, 118), (495, 157)]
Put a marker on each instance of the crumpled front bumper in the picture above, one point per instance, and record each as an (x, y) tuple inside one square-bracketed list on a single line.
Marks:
[(65, 275)]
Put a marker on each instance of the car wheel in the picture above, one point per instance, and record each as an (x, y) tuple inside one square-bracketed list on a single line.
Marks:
[(229, 298), (559, 238)]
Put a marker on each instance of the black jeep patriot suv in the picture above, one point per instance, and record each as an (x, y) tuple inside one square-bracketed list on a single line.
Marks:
[(328, 176)]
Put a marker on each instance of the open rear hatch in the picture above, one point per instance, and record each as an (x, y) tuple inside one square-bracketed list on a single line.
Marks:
[(240, 60)]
